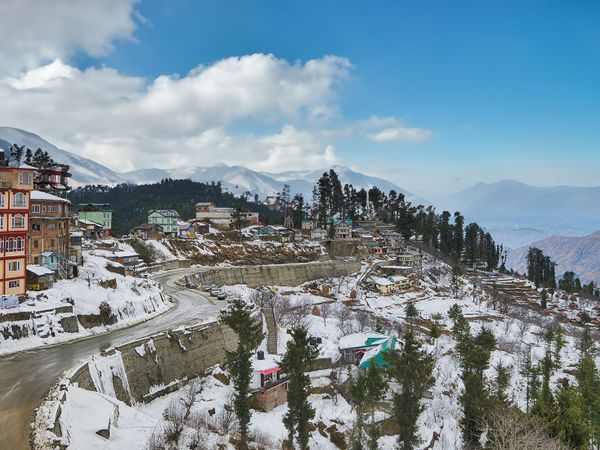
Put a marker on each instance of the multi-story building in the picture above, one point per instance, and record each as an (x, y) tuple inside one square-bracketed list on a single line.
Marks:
[(167, 219), (16, 183), (222, 215), (49, 232), (53, 178), (98, 213)]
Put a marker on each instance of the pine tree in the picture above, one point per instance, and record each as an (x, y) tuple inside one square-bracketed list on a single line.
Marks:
[(589, 386), (239, 318), (412, 368), (368, 388), (298, 358)]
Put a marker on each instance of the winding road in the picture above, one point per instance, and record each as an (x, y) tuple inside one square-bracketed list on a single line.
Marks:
[(26, 377)]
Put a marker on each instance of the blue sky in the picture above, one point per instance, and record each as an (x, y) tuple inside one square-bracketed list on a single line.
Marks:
[(504, 89)]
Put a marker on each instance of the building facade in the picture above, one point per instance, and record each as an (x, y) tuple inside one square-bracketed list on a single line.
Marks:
[(16, 184), (222, 215), (167, 219), (99, 213), (49, 232)]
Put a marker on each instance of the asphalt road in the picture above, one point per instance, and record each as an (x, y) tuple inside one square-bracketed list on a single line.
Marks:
[(26, 377)]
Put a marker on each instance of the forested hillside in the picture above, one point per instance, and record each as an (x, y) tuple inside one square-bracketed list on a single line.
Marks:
[(131, 203)]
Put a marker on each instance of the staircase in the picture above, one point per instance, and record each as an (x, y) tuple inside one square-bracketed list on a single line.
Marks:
[(271, 330)]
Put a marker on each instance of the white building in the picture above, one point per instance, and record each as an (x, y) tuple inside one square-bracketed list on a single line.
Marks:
[(221, 215)]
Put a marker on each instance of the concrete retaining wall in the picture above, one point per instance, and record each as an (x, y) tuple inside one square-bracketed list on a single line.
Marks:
[(164, 359), (276, 274), (169, 265)]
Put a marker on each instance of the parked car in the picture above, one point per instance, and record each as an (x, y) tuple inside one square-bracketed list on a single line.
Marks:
[(215, 292), (222, 296), (209, 287)]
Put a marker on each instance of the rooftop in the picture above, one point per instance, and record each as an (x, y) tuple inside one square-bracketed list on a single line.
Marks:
[(44, 196)]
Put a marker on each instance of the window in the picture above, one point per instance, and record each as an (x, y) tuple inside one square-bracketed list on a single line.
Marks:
[(36, 244), (19, 200), (36, 259), (2, 201), (25, 178), (52, 242), (52, 226), (1, 221), (18, 222), (14, 266), (1, 245), (10, 245), (19, 244), (36, 227), (14, 283), (36, 208), (53, 208)]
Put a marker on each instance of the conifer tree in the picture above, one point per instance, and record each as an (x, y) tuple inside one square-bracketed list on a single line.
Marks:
[(589, 386), (297, 359), (412, 368), (239, 318)]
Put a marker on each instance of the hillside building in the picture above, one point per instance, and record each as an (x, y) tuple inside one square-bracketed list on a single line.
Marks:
[(98, 213), (167, 219), (222, 215), (49, 231), (16, 184)]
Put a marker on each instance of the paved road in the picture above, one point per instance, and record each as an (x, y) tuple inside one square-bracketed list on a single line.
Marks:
[(26, 377)]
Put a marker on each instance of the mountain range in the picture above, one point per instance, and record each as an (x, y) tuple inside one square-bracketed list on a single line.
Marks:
[(235, 179), (580, 254)]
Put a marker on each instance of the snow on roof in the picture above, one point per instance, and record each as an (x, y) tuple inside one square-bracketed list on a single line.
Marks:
[(89, 222), (44, 196), (397, 267), (357, 340), (204, 203), (114, 254), (396, 278), (382, 281), (267, 365), (40, 271)]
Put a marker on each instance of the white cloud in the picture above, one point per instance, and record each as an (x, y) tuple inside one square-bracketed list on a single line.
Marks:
[(35, 32), (388, 129), (126, 123), (401, 134)]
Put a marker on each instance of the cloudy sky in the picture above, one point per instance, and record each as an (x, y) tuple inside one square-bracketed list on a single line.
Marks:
[(434, 96)]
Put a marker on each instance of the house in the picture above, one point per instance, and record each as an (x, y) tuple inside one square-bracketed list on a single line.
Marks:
[(39, 278), (383, 285), (283, 234), (400, 281), (51, 260), (308, 224), (98, 213), (318, 234), (50, 222), (148, 231), (393, 241), (269, 387), (342, 229), (52, 178), (76, 238), (16, 184), (377, 355), (397, 270), (167, 219), (353, 346), (409, 259), (222, 215), (90, 230), (130, 260)]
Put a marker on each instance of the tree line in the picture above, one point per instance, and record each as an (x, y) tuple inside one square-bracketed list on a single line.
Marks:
[(444, 231)]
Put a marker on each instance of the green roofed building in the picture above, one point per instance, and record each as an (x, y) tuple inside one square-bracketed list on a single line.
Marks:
[(167, 219), (376, 355), (100, 213)]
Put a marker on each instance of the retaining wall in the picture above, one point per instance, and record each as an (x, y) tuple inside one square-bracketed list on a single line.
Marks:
[(169, 265), (276, 274)]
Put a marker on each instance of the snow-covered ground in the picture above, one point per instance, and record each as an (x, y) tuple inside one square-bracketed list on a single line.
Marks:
[(518, 330), (131, 300)]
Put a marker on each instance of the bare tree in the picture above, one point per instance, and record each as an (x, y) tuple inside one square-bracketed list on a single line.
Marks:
[(282, 306), (511, 429), (344, 317), (190, 395), (298, 314), (364, 320), (325, 309), (174, 423)]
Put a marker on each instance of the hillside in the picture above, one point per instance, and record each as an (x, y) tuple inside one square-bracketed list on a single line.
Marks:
[(131, 203), (579, 254)]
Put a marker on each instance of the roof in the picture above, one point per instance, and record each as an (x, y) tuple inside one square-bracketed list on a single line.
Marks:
[(396, 278), (89, 222), (95, 207), (147, 226), (376, 354), (44, 196), (114, 254), (397, 267), (267, 365), (204, 203), (359, 340), (40, 271), (382, 281), (48, 253), (164, 212)]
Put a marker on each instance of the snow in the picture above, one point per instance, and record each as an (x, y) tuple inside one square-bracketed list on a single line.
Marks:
[(39, 195), (104, 369), (359, 340), (39, 270)]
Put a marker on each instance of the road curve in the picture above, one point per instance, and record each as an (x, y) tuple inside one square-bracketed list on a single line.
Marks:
[(26, 377)]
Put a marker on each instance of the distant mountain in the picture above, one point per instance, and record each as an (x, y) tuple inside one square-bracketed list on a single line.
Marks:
[(235, 179), (517, 213), (579, 254), (85, 171)]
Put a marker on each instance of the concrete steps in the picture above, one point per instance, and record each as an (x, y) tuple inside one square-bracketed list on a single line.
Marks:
[(271, 330)]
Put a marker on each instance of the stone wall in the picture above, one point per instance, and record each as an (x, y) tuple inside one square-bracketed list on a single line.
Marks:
[(169, 265), (276, 274), (163, 359)]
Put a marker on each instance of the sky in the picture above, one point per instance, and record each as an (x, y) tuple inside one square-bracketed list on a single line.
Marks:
[(434, 96)]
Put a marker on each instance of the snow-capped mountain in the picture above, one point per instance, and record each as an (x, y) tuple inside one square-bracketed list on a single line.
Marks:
[(85, 171), (581, 254), (235, 179)]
